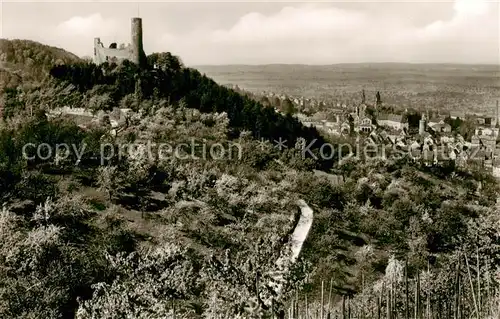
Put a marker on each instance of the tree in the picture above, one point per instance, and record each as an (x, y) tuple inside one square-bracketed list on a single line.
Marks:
[(165, 61), (265, 101), (413, 119), (351, 124), (101, 102), (378, 101), (276, 102), (288, 107), (148, 282), (455, 124), (12, 102), (107, 180)]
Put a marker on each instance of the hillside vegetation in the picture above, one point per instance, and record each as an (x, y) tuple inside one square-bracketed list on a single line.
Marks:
[(24, 61), (150, 234)]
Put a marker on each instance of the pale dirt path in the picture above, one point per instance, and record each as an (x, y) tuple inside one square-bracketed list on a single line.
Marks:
[(301, 231), (297, 240)]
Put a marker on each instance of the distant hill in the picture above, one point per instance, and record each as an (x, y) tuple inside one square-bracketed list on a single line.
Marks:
[(25, 60), (436, 86)]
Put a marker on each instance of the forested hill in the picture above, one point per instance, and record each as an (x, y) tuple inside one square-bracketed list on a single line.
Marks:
[(25, 60), (111, 85)]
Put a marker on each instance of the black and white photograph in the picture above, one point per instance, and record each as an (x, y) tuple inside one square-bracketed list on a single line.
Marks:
[(249, 159)]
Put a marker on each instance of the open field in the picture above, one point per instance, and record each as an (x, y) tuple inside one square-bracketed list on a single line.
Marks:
[(443, 86)]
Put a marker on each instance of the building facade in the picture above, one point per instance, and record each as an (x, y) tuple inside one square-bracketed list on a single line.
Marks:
[(393, 121)]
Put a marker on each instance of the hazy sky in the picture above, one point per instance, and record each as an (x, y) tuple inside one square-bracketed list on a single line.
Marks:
[(233, 32)]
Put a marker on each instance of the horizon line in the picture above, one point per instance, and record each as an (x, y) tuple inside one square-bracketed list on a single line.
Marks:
[(344, 63), (83, 56)]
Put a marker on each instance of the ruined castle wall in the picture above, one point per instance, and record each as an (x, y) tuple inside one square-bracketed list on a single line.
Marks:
[(134, 52), (102, 53)]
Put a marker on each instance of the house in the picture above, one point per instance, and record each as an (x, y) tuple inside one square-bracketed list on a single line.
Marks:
[(480, 121), (453, 154), (457, 115), (301, 116), (385, 138), (485, 136), (447, 139), (496, 151), (330, 124), (365, 125), (437, 124), (488, 163), (345, 128), (336, 111), (376, 138), (441, 127), (396, 136), (308, 123), (415, 145), (445, 155), (416, 154), (394, 121), (479, 155), (332, 127), (496, 166), (428, 157), (461, 159), (434, 121), (496, 171)]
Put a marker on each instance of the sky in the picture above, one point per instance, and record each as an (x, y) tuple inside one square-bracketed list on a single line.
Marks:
[(234, 32)]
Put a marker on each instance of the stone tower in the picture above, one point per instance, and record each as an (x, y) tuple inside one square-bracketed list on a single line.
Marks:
[(421, 124), (138, 55)]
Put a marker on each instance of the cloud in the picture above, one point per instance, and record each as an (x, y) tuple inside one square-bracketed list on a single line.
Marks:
[(320, 34), (88, 26), (470, 7), (77, 33), (292, 23)]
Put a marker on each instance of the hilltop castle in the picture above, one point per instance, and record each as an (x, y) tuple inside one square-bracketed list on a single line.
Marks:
[(133, 52)]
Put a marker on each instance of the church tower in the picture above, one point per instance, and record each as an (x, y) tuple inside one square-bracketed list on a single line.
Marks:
[(497, 115), (421, 124)]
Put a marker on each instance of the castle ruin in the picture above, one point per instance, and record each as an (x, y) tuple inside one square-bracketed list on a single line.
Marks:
[(133, 52)]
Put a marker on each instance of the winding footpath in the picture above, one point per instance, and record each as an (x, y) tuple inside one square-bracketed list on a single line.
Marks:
[(300, 232), (292, 250), (302, 229)]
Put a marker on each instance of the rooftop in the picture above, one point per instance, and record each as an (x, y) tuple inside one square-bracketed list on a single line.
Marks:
[(390, 117)]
